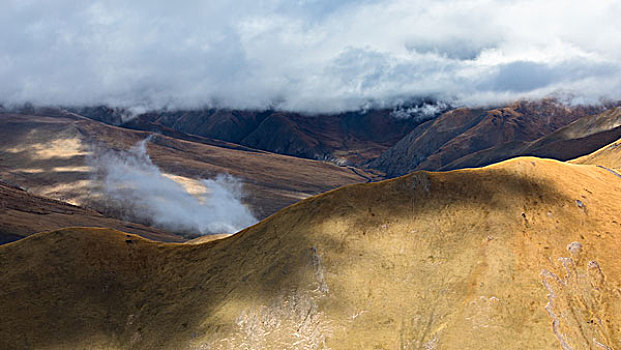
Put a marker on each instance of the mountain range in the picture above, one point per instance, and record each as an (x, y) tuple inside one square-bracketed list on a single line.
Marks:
[(469, 228)]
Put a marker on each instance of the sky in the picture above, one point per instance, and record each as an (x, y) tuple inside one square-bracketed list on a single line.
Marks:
[(307, 55)]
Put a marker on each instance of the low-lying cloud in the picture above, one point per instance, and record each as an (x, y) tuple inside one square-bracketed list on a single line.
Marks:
[(313, 56), (129, 185)]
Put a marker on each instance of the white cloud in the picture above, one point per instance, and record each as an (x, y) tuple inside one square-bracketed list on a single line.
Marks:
[(306, 55), (131, 184)]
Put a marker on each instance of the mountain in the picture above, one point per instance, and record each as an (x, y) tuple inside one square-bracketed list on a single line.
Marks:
[(22, 214), (518, 255), (466, 137), (585, 135), (346, 138), (581, 137), (49, 156), (227, 125)]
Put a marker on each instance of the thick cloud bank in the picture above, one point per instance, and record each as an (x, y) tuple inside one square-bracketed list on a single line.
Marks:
[(134, 188), (307, 55)]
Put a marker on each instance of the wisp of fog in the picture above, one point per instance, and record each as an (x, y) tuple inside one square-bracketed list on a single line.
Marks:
[(135, 189)]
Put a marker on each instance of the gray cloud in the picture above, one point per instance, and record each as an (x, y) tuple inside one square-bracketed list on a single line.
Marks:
[(308, 55)]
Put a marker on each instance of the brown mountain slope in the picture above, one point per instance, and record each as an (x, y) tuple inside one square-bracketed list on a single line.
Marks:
[(348, 138), (48, 155), (469, 138), (226, 125), (22, 214), (583, 136), (351, 138), (589, 133), (518, 255)]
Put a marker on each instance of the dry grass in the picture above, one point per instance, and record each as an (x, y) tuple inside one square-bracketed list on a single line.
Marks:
[(427, 261), (608, 156)]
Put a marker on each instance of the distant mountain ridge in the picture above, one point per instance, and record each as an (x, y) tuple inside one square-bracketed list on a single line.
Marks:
[(350, 138), (393, 141), (464, 138)]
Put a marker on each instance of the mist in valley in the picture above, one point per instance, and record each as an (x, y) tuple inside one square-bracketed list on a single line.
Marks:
[(130, 186)]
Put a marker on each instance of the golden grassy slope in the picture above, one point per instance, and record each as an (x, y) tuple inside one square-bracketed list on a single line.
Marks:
[(466, 259), (609, 156)]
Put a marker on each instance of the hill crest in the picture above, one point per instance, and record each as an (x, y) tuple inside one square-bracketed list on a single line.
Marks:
[(444, 260)]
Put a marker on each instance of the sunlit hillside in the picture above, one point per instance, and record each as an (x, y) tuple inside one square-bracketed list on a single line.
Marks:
[(518, 255), (608, 156)]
